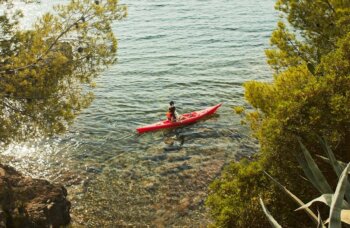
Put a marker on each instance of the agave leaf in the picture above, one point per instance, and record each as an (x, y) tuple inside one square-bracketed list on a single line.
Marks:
[(335, 164), (331, 156), (319, 220), (272, 221), (335, 211), (345, 216), (342, 164), (313, 172), (309, 176), (295, 198), (326, 199), (327, 221)]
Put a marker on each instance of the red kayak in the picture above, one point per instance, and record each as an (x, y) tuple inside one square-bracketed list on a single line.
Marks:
[(185, 119)]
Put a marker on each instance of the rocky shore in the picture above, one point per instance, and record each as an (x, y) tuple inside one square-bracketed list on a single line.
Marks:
[(29, 202)]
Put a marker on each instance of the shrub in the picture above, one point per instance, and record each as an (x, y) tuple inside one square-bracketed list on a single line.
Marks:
[(309, 94)]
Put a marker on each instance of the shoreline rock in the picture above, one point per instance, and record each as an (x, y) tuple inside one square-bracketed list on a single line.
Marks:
[(29, 202)]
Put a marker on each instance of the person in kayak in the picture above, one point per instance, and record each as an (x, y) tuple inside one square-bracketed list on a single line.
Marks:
[(171, 114)]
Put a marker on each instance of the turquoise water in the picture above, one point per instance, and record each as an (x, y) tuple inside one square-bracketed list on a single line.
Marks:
[(197, 53)]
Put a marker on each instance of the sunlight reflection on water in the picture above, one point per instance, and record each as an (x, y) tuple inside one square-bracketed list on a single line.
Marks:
[(194, 52)]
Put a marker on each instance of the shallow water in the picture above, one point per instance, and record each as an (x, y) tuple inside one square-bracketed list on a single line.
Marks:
[(197, 53)]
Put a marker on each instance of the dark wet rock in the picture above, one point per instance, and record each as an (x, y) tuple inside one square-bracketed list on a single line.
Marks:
[(160, 157), (93, 169), (236, 135), (28, 202), (207, 133), (82, 156), (172, 148), (178, 158), (184, 167), (247, 149), (176, 169)]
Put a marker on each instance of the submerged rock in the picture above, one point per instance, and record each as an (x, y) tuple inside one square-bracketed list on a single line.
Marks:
[(28, 202), (95, 170)]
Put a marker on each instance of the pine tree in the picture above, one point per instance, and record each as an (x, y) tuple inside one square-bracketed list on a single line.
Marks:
[(309, 95), (47, 72)]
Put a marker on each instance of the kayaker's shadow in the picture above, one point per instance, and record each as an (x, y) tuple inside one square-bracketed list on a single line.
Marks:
[(174, 141), (175, 138)]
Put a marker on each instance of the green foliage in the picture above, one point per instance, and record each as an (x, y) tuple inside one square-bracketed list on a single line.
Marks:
[(309, 95), (319, 24), (304, 100), (46, 72), (239, 182), (233, 199), (238, 109)]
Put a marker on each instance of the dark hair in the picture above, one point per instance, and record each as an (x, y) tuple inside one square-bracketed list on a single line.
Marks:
[(171, 102)]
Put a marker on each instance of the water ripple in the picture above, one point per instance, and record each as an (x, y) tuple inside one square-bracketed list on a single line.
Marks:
[(196, 52)]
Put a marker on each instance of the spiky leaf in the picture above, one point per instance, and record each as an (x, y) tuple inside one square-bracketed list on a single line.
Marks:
[(338, 168), (345, 216), (326, 199), (335, 211), (319, 220), (342, 164), (271, 219), (295, 198), (312, 171)]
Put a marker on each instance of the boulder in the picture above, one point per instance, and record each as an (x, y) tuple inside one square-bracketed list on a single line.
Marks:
[(29, 202)]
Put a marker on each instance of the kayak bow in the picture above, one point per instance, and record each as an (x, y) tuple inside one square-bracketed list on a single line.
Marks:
[(185, 119)]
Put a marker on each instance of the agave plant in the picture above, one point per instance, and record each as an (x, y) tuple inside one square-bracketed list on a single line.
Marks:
[(338, 200)]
